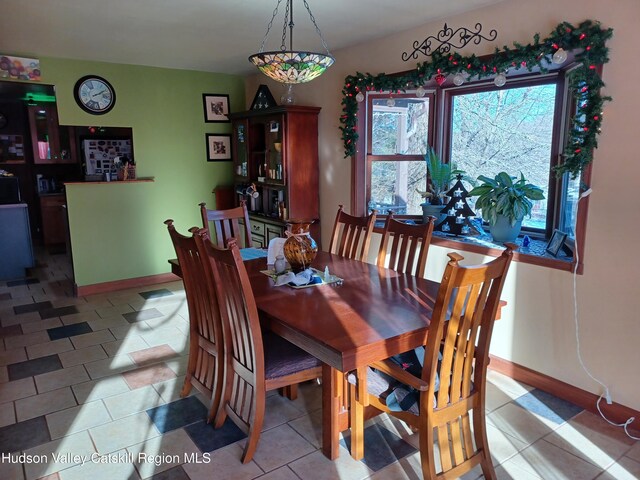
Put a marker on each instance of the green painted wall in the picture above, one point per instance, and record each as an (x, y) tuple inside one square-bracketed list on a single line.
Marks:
[(117, 229)]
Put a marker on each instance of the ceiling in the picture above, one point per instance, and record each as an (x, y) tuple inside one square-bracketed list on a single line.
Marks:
[(207, 35)]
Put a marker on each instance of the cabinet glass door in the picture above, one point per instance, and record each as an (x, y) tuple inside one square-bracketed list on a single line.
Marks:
[(275, 152), (241, 154), (44, 134), (65, 137)]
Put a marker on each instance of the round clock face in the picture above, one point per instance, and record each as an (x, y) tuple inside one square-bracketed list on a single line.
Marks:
[(94, 94)]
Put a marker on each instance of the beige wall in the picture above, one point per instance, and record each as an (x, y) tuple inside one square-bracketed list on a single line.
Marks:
[(537, 329)]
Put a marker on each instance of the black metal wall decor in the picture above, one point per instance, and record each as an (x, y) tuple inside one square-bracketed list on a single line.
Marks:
[(447, 39)]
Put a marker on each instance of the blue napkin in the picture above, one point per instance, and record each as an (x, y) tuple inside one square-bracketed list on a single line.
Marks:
[(306, 277)]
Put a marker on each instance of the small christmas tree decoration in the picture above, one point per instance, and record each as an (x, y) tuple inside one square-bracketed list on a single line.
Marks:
[(458, 210)]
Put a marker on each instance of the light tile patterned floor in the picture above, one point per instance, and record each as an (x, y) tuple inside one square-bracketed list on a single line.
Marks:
[(101, 375)]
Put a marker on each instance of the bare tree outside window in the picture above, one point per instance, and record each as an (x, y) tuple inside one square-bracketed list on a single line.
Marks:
[(506, 130)]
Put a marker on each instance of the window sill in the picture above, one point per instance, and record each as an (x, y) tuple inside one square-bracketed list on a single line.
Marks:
[(534, 254)]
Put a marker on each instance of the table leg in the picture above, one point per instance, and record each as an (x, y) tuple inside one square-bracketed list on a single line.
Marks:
[(330, 413)]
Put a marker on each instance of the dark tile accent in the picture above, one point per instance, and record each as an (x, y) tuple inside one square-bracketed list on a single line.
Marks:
[(69, 330), (5, 296), (58, 312), (24, 281), (177, 414), (548, 406), (31, 307), (24, 435), (162, 292), (10, 331), (381, 447), (29, 368), (208, 439), (142, 315), (175, 473)]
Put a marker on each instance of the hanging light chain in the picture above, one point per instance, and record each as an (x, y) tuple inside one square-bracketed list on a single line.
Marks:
[(313, 20), (283, 46), (275, 12), (290, 25)]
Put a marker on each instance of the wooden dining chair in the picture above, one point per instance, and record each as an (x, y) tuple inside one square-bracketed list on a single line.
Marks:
[(223, 225), (446, 395), (205, 368), (351, 235), (257, 362), (404, 247)]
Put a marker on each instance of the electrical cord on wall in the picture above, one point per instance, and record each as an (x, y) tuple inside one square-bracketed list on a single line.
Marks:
[(606, 394)]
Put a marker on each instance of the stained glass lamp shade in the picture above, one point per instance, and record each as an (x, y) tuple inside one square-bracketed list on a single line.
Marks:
[(289, 65), (292, 67)]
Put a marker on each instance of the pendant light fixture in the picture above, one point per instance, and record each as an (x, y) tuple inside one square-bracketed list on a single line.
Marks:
[(288, 65)]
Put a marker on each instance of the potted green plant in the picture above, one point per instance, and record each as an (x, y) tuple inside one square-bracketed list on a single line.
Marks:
[(439, 177), (504, 201)]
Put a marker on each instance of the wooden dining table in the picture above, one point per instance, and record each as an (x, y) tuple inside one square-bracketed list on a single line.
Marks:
[(373, 314)]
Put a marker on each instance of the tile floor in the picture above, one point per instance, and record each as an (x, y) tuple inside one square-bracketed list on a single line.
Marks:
[(98, 379)]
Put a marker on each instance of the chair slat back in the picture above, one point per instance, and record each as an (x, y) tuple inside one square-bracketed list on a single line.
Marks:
[(404, 247), (223, 225), (351, 235), (241, 326), (206, 340), (458, 350)]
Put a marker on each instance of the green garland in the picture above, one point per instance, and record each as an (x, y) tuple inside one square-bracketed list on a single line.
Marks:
[(588, 40)]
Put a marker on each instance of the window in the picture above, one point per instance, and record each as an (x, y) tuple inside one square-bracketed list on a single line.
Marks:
[(400, 130), (484, 129), (506, 129)]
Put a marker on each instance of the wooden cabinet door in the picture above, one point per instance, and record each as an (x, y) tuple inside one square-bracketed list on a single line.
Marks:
[(53, 210), (257, 233), (258, 241), (274, 231)]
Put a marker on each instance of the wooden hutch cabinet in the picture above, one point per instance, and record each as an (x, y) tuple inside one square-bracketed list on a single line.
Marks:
[(275, 153)]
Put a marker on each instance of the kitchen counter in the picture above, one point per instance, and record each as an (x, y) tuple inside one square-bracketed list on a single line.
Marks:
[(113, 182)]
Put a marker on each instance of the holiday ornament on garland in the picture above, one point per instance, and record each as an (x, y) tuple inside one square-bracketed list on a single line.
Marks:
[(588, 40)]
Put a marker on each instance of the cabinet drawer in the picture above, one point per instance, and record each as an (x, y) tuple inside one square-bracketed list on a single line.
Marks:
[(258, 241), (274, 231), (257, 228), (52, 201)]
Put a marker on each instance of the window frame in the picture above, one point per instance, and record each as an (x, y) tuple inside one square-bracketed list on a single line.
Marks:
[(370, 157), (557, 137), (564, 111)]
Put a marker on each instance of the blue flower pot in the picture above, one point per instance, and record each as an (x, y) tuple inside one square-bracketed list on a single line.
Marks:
[(429, 210), (502, 231)]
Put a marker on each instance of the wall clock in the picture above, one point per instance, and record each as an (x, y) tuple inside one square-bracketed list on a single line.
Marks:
[(3, 120), (94, 94)]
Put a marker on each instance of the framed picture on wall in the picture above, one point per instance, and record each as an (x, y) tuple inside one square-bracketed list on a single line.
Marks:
[(216, 107), (218, 147)]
